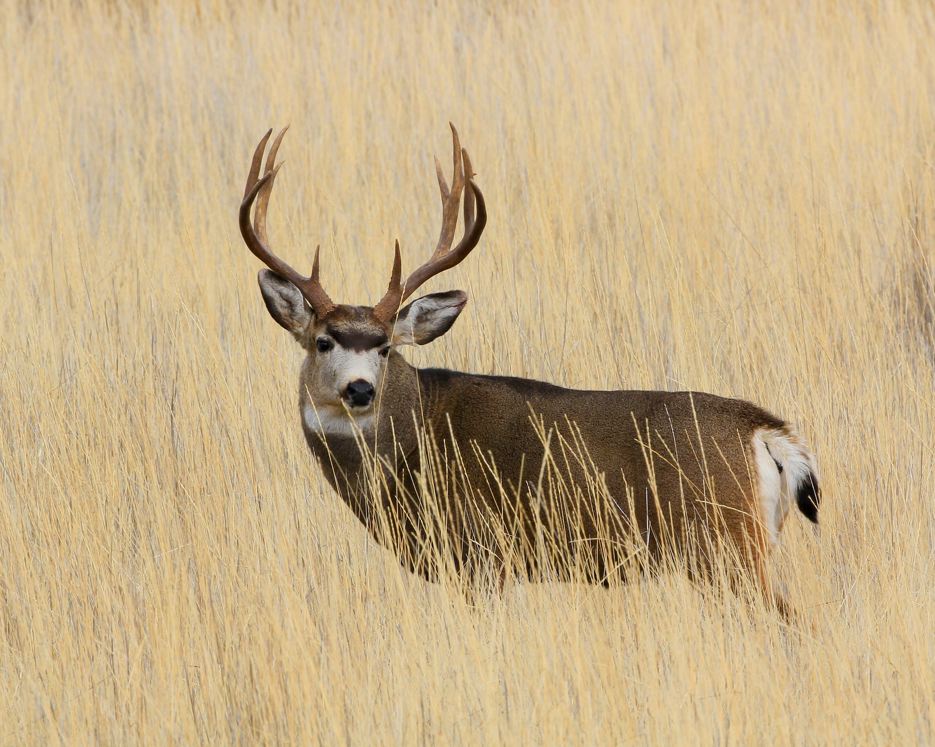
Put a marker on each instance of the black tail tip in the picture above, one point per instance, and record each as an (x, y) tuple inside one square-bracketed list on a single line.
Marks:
[(808, 496)]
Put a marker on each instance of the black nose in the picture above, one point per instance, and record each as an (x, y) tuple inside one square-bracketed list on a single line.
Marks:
[(359, 393)]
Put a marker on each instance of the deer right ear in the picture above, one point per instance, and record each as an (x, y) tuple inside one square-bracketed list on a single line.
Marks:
[(285, 302)]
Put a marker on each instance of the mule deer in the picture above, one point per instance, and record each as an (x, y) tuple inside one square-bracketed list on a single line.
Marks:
[(652, 470)]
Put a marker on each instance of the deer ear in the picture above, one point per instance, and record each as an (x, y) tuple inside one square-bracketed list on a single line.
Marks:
[(428, 317), (285, 302)]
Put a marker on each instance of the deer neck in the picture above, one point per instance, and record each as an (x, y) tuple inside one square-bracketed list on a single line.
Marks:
[(400, 405), (345, 447)]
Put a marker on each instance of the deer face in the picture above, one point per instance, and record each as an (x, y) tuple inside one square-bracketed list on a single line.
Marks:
[(349, 347)]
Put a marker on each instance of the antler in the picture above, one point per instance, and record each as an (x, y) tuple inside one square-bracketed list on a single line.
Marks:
[(444, 257), (254, 234)]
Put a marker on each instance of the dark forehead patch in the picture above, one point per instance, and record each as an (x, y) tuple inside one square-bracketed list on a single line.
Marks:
[(357, 339), (354, 328)]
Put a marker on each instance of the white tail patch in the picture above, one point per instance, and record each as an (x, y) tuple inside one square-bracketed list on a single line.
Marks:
[(784, 463)]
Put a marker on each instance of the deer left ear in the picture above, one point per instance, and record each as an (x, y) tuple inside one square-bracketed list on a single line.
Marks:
[(428, 317)]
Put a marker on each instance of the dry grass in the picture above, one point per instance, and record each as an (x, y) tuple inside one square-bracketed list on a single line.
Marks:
[(722, 197)]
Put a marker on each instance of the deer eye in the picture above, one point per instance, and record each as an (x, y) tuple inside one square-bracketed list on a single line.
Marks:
[(323, 344), (385, 351)]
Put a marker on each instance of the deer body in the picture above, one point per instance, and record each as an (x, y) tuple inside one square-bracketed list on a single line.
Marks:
[(501, 421), (521, 473)]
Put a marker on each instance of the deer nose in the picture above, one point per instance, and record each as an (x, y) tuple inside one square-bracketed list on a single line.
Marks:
[(359, 393)]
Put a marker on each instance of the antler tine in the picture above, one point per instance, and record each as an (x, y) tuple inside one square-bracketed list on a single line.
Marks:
[(450, 199), (262, 202), (469, 195), (314, 293), (256, 163), (255, 234), (442, 184), (388, 305)]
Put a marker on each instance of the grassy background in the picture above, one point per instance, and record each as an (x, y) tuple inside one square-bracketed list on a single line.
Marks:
[(732, 197)]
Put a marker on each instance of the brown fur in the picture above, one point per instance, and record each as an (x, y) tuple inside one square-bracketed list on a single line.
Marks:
[(675, 469)]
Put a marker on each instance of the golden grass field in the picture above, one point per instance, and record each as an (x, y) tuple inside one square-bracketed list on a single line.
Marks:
[(731, 197)]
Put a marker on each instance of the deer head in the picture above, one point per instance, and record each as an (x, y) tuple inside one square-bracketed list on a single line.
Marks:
[(348, 346)]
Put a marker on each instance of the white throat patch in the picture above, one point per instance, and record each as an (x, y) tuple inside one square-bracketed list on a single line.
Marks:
[(328, 421)]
